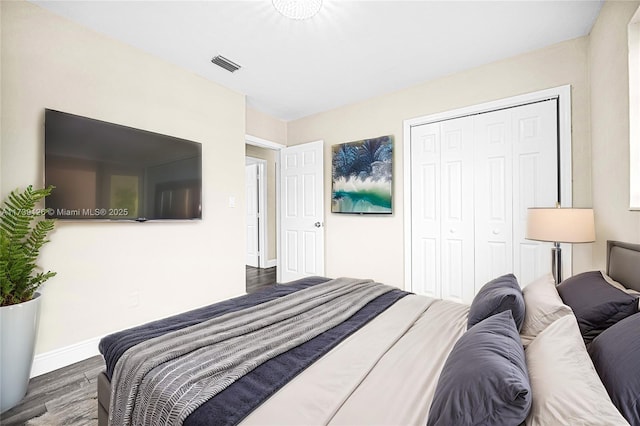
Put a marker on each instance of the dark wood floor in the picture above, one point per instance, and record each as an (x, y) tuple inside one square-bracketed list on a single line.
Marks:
[(260, 278), (63, 397), (68, 396)]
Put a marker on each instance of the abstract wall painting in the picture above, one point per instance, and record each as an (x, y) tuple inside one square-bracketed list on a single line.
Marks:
[(361, 176)]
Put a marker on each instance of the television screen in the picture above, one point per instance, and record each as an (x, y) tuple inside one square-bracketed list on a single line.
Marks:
[(107, 171)]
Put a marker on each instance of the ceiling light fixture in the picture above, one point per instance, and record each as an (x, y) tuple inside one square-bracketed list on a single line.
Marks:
[(298, 9)]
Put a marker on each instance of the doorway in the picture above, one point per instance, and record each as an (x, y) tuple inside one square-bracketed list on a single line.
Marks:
[(261, 166), (294, 241), (257, 215)]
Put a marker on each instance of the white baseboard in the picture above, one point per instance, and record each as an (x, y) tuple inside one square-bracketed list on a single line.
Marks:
[(58, 358)]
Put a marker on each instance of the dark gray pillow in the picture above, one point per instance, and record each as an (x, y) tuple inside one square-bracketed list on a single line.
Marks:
[(501, 294), (596, 304), (616, 356), (484, 380)]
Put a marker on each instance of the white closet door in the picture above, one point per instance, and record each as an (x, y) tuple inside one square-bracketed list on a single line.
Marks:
[(456, 229), (516, 168), (535, 181), (425, 217), (473, 179), (493, 196)]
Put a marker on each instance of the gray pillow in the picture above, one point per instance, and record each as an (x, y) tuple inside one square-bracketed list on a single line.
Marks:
[(616, 355), (501, 294), (596, 304), (484, 380)]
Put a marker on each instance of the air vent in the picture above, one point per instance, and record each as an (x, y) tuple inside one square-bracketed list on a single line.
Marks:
[(223, 62)]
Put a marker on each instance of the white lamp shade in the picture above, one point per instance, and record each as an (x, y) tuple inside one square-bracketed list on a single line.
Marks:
[(562, 225)]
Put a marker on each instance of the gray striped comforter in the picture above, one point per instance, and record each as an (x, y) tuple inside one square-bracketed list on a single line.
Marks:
[(163, 380)]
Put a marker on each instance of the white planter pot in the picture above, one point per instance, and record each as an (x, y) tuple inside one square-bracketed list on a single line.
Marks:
[(18, 328)]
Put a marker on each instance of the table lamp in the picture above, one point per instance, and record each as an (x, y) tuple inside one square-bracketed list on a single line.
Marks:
[(560, 225)]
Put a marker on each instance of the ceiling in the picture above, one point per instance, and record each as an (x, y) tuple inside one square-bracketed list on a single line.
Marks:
[(348, 52)]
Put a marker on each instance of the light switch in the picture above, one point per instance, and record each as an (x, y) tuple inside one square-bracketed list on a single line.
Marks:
[(232, 202)]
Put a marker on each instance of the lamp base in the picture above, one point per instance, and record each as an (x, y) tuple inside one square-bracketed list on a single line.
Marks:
[(556, 263)]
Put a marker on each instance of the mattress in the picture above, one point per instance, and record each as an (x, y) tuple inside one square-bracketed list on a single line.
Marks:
[(391, 338), (384, 374), (382, 365)]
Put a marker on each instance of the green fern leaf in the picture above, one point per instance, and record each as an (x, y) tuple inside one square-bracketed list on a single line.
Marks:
[(22, 235)]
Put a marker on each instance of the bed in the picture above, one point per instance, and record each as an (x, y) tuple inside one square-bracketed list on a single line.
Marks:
[(354, 352)]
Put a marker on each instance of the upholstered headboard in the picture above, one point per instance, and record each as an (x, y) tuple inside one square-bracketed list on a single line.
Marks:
[(623, 263)]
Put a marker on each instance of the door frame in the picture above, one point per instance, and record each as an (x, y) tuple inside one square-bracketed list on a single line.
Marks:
[(264, 143), (262, 210), (562, 93)]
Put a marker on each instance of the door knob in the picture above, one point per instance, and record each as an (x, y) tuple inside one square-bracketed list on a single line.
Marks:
[(496, 231), (317, 224)]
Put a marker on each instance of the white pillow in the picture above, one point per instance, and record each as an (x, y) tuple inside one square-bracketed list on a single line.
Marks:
[(543, 306), (565, 385)]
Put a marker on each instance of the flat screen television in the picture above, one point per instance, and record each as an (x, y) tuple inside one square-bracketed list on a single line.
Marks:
[(107, 171)]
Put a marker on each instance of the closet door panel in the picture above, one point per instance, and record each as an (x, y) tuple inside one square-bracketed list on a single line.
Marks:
[(425, 217), (456, 231), (535, 179), (493, 196)]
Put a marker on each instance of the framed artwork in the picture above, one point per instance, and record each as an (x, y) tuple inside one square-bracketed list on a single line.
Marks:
[(361, 176)]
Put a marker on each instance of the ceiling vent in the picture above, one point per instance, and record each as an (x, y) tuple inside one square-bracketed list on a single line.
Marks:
[(223, 62)]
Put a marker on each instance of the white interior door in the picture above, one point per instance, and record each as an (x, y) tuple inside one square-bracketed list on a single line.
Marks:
[(302, 211), (251, 189)]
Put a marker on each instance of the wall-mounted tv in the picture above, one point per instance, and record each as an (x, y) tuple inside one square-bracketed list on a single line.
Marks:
[(107, 171)]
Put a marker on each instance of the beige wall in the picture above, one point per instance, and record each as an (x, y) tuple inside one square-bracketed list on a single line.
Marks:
[(608, 65), (266, 127), (270, 156), (372, 246), (49, 62), (271, 129)]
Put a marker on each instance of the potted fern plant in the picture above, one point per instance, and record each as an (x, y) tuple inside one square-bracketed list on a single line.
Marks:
[(23, 232)]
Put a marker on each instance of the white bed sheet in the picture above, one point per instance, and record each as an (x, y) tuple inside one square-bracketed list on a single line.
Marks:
[(384, 374)]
